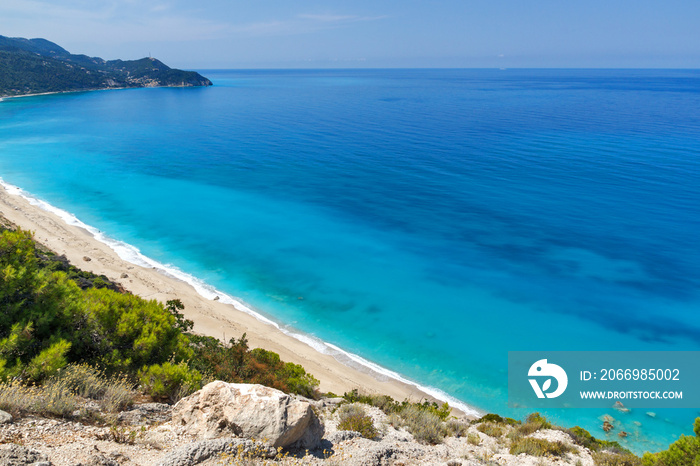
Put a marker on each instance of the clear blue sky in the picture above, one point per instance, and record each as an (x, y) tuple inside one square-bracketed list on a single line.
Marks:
[(363, 33)]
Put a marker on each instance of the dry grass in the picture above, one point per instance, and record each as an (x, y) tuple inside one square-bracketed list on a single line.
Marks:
[(533, 423), (425, 426), (454, 428), (473, 439), (112, 393), (491, 429), (538, 447), (61, 395), (601, 458), (53, 398)]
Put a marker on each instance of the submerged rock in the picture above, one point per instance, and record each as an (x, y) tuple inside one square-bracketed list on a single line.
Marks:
[(223, 409)]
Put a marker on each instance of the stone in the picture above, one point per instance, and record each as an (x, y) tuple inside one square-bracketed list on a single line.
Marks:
[(86, 259), (146, 413), (100, 460), (342, 436), (5, 418), (124, 275), (198, 452), (18, 455), (253, 411)]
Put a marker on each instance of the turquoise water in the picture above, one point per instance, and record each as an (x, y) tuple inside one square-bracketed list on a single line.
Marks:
[(431, 220)]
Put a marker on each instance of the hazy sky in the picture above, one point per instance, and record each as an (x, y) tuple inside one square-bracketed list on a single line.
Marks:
[(363, 33)]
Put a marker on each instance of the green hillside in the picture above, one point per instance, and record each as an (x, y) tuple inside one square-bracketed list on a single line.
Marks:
[(32, 66)]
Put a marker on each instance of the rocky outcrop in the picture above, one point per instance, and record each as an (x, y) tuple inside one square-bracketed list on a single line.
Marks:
[(223, 409), (17, 455), (198, 452), (147, 413)]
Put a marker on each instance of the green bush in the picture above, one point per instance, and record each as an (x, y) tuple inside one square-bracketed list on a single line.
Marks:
[(683, 452), (299, 381), (533, 423), (170, 381), (584, 438), (388, 405), (353, 417), (49, 361), (538, 447), (42, 311), (235, 362), (496, 419)]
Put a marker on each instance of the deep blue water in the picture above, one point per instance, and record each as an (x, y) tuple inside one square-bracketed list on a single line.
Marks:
[(432, 220)]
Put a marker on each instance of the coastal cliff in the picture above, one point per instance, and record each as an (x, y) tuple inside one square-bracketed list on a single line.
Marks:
[(36, 66)]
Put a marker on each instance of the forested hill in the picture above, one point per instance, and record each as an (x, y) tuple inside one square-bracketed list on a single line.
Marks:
[(32, 66)]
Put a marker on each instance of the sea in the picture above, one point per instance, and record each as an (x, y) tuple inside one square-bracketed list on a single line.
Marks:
[(422, 223)]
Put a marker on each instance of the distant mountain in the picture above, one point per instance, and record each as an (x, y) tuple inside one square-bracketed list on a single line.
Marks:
[(32, 66)]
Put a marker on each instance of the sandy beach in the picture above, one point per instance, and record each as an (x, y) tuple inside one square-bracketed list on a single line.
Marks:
[(210, 317)]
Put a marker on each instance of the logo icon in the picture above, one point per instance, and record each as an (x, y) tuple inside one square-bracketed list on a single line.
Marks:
[(544, 369)]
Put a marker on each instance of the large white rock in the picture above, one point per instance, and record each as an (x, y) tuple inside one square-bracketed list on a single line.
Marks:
[(223, 409)]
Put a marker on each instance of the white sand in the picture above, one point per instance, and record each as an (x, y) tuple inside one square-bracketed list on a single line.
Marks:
[(210, 317)]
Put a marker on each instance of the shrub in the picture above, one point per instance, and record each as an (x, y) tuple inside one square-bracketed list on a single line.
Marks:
[(496, 419), (388, 405), (46, 320), (454, 428), (683, 452), (170, 381), (53, 398), (353, 417), (473, 438), (533, 423), (538, 447), (299, 381), (15, 397), (49, 361), (425, 426), (113, 393), (235, 362), (604, 458), (491, 429), (584, 438)]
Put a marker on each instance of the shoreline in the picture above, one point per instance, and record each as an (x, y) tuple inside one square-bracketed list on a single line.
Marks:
[(213, 312), (3, 97), (39, 94)]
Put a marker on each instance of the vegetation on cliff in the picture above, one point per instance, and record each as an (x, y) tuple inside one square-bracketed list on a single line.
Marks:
[(32, 66)]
